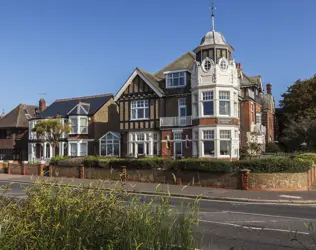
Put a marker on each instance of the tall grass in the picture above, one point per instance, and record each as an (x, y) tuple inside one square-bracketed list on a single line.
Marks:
[(64, 217)]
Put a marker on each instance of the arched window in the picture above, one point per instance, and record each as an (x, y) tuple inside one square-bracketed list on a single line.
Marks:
[(47, 151), (110, 144)]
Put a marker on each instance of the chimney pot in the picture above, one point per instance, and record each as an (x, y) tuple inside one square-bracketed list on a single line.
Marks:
[(42, 105), (269, 88)]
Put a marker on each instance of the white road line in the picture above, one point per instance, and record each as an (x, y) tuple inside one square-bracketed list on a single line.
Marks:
[(269, 215), (254, 228), (291, 197)]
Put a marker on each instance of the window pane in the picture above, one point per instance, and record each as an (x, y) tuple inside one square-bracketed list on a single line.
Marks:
[(224, 147), (209, 147), (183, 111), (224, 108), (178, 148), (73, 149), (177, 136), (155, 151), (140, 150), (176, 82), (83, 149), (147, 113), (208, 134), (208, 108), (116, 149), (224, 95), (140, 137), (74, 125), (181, 83), (225, 134), (208, 95), (109, 150), (103, 150), (140, 114)]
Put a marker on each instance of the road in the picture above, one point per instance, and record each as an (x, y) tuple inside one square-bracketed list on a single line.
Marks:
[(231, 225)]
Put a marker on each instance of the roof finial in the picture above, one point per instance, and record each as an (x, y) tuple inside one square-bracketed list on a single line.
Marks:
[(213, 16)]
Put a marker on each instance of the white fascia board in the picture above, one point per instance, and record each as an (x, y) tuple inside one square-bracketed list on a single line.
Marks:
[(130, 80)]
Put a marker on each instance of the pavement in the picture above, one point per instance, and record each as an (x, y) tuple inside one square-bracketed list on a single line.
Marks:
[(227, 224), (285, 197)]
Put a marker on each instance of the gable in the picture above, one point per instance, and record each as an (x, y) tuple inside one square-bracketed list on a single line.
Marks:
[(139, 82)]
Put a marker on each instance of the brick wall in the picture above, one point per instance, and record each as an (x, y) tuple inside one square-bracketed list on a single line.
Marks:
[(245, 122)]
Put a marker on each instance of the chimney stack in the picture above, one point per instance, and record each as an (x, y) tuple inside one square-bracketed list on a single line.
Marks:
[(239, 66), (269, 89), (42, 105)]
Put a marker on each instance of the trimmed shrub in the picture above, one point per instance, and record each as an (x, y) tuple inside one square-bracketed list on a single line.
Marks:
[(272, 148), (307, 156), (202, 165), (56, 160), (275, 165)]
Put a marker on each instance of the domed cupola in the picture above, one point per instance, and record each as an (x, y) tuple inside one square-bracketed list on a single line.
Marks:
[(213, 37), (213, 45)]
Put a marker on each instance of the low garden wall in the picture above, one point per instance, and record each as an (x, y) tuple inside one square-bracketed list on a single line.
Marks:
[(280, 173), (222, 180)]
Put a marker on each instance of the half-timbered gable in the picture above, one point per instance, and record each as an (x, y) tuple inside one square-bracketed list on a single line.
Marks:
[(139, 101)]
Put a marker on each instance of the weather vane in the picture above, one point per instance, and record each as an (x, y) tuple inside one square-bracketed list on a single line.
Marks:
[(213, 8)]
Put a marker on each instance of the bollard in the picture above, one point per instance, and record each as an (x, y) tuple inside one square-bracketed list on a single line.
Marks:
[(81, 172), (244, 178), (123, 174), (24, 172), (41, 168)]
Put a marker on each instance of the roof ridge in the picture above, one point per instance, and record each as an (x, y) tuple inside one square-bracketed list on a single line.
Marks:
[(82, 97), (187, 53)]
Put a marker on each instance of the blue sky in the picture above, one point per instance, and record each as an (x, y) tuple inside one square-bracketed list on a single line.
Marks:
[(78, 47)]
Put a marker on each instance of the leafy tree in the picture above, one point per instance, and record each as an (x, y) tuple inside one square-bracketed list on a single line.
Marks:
[(51, 130), (299, 135), (254, 148), (299, 101)]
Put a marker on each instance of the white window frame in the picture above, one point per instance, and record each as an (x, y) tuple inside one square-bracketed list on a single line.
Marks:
[(224, 138), (177, 139), (227, 100), (144, 107), (258, 115), (170, 76), (78, 123), (221, 60), (79, 147), (70, 147), (195, 104), (210, 137), (182, 104), (207, 98), (104, 141), (150, 137)]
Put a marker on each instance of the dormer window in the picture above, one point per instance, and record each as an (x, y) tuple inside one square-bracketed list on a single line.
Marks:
[(79, 124), (176, 79)]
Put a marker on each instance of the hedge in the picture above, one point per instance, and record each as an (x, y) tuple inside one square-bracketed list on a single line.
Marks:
[(307, 156), (275, 165), (202, 165)]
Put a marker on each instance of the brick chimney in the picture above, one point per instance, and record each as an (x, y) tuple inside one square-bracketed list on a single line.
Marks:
[(269, 89), (239, 66), (42, 105)]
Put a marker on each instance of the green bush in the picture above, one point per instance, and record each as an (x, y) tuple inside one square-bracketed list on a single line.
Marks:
[(63, 217), (307, 156), (202, 165), (57, 159), (275, 165)]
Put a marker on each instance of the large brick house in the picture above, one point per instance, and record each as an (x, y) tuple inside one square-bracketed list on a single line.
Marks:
[(91, 117), (191, 108), (14, 133)]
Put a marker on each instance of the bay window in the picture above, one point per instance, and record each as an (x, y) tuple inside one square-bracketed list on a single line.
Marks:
[(79, 124), (208, 142), (225, 141), (208, 103), (140, 110), (110, 144), (177, 79), (141, 143), (224, 103)]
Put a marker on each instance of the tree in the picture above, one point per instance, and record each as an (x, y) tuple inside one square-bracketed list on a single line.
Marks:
[(254, 148), (299, 135), (299, 101), (51, 130)]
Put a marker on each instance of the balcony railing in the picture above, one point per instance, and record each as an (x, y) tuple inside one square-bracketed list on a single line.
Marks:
[(33, 136), (175, 121)]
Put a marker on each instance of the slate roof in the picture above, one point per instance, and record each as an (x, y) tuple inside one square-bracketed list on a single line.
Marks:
[(17, 118), (184, 62), (153, 80), (62, 107)]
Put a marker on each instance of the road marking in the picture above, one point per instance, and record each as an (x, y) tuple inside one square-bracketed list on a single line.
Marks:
[(255, 228), (268, 215), (290, 196)]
